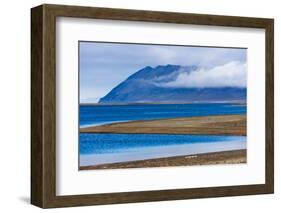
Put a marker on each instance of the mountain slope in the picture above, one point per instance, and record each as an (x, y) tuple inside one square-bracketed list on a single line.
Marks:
[(148, 85)]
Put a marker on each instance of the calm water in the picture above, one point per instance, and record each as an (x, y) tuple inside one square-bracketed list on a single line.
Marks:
[(109, 148), (115, 143), (96, 115)]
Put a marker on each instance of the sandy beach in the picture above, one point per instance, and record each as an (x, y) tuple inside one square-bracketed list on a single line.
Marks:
[(203, 125), (225, 157)]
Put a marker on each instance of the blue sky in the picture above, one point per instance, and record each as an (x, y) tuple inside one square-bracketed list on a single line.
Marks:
[(104, 65)]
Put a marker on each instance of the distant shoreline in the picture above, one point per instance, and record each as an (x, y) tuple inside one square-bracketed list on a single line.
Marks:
[(200, 125), (224, 157), (240, 102)]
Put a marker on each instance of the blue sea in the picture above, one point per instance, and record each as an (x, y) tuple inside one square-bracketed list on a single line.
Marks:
[(91, 115), (103, 148)]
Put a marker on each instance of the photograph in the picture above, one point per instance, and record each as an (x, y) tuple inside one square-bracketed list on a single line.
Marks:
[(140, 105), (158, 105)]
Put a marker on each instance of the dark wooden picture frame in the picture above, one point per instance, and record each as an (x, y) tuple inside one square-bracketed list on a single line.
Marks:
[(43, 105)]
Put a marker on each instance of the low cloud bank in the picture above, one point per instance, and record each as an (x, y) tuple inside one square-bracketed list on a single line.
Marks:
[(232, 74)]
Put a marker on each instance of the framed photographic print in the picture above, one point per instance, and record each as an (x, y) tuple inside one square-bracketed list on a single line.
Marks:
[(136, 106)]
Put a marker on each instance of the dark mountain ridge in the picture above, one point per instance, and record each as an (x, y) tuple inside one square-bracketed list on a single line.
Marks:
[(146, 86)]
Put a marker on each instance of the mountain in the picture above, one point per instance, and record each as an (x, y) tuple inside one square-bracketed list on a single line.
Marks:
[(151, 85)]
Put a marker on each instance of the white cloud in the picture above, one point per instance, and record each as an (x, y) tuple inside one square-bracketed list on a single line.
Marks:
[(232, 74)]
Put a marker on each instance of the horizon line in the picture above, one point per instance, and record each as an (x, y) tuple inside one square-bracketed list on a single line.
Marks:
[(146, 103)]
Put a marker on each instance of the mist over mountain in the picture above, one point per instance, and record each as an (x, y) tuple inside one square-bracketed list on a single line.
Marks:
[(176, 84)]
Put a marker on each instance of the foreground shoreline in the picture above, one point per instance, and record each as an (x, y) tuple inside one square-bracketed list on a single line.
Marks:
[(200, 125), (224, 157)]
